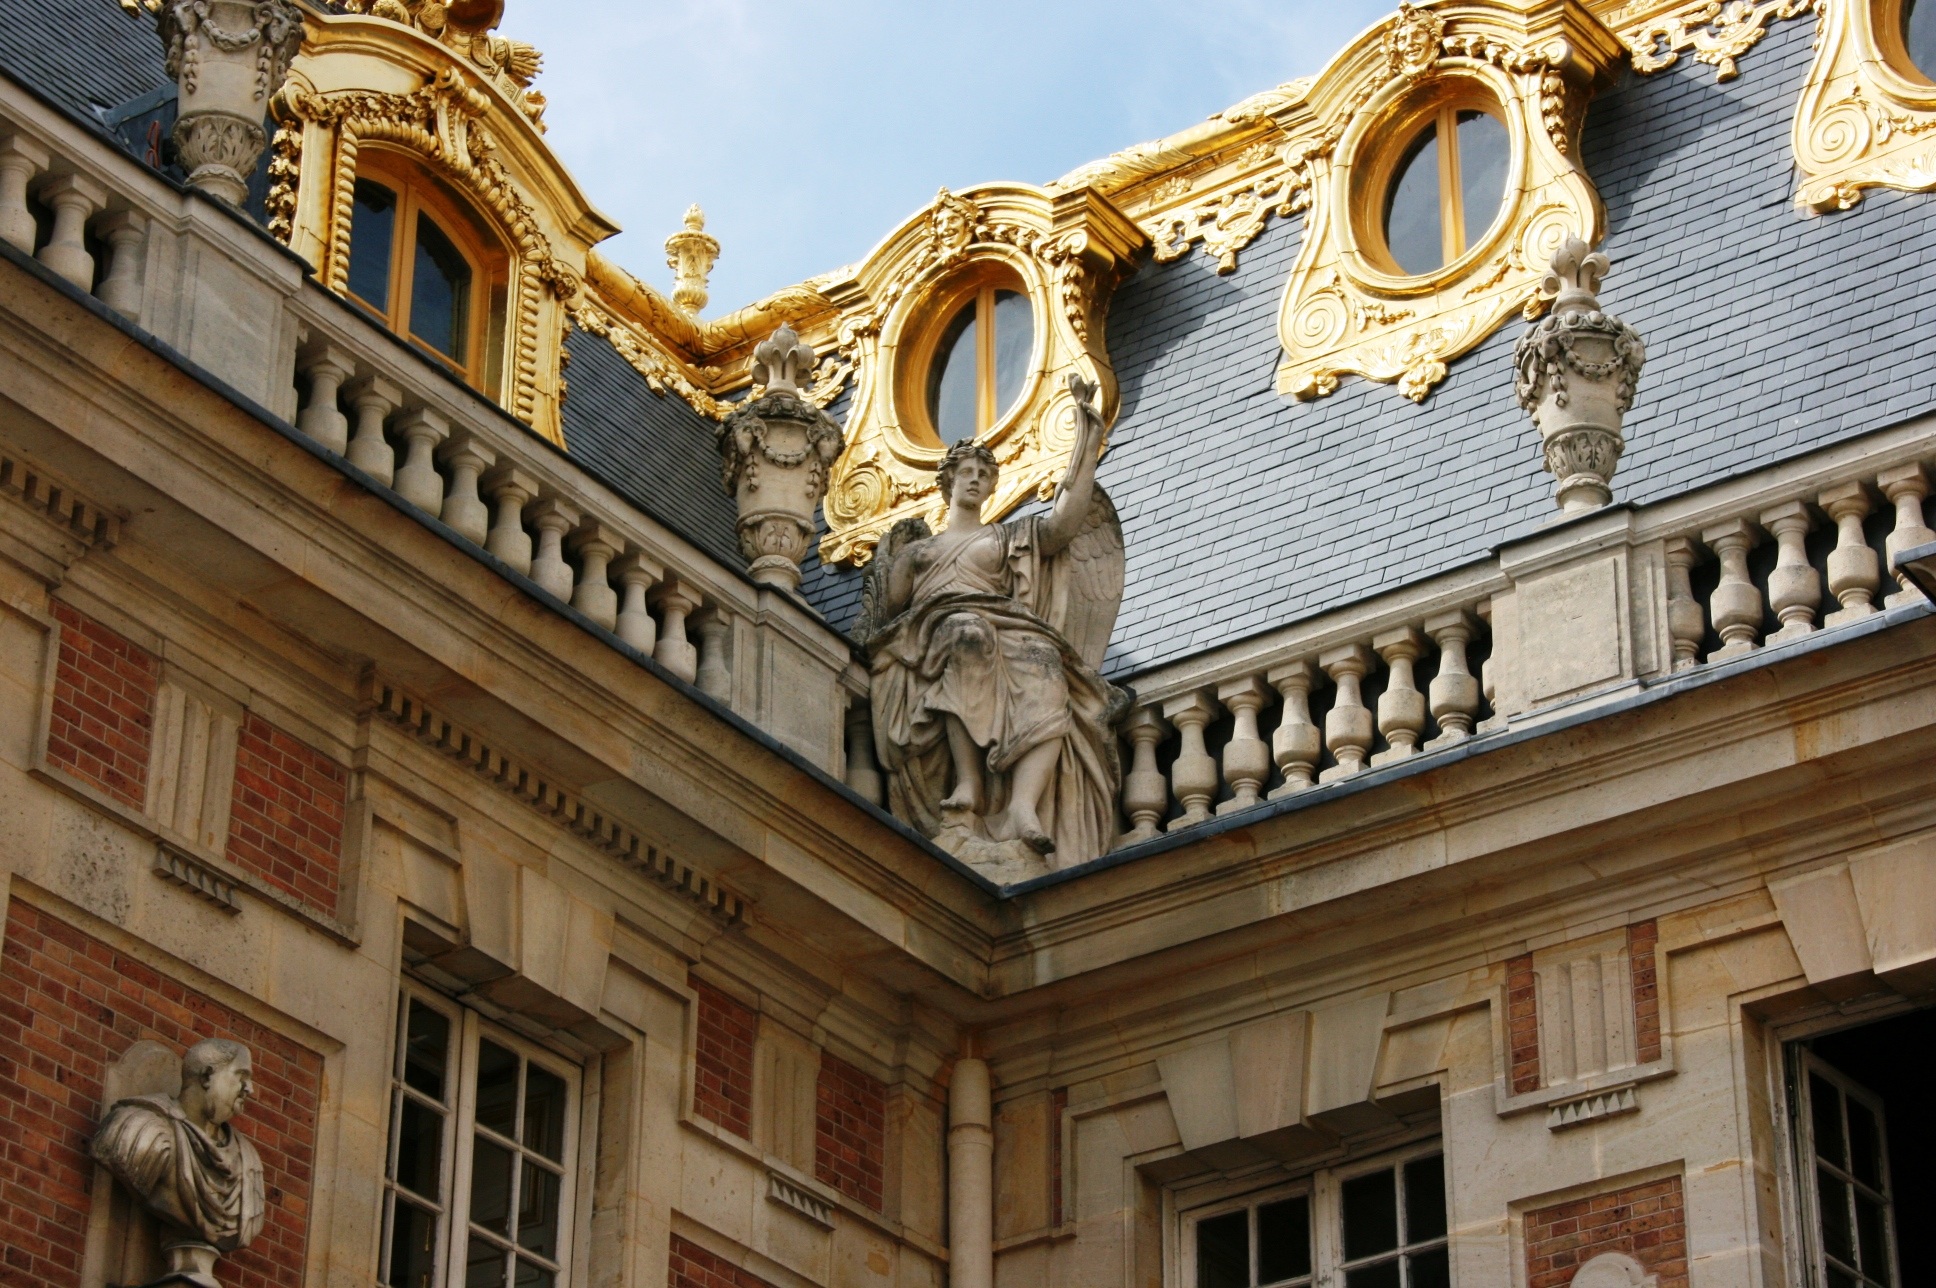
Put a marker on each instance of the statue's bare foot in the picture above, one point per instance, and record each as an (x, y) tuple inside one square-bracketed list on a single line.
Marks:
[(963, 797), (1038, 840)]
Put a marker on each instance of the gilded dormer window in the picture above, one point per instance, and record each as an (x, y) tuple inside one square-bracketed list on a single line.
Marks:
[(978, 361), (1446, 189), (1913, 49)]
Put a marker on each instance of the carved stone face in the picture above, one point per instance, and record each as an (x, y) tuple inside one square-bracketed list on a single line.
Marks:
[(228, 1088), (974, 480)]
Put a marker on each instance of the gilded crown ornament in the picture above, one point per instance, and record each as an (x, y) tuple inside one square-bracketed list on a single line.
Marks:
[(775, 451), (691, 254), (1576, 371)]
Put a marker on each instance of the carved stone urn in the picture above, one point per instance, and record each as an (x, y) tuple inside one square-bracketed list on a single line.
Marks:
[(227, 57), (1576, 371), (775, 451)]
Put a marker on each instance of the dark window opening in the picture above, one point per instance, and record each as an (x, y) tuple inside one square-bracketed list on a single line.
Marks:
[(373, 228), (440, 289)]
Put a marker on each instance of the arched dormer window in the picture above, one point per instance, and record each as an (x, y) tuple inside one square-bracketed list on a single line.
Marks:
[(423, 264)]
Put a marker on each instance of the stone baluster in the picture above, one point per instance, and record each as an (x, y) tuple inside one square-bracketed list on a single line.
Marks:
[(510, 490), (327, 368), (1246, 757), (553, 519), (1905, 486), (20, 160), (126, 233), (1347, 727), (417, 481), (1146, 793), (464, 510), (596, 545), (374, 398), (1454, 691), (863, 772), (637, 575), (1794, 587), (1736, 604), (1193, 775), (1297, 744), (1401, 708), (1854, 569), (1686, 623), (714, 676), (674, 651), (75, 198)]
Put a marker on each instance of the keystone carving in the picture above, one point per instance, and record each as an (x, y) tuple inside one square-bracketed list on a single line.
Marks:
[(1576, 372), (228, 58), (775, 451)]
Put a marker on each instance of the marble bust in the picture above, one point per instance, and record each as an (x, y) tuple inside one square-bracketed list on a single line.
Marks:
[(186, 1163), (994, 729)]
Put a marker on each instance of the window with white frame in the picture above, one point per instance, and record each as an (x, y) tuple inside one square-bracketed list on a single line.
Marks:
[(478, 1179), (1844, 1138), (1377, 1224)]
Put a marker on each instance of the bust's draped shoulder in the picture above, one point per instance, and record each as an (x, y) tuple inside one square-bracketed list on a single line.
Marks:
[(211, 1187)]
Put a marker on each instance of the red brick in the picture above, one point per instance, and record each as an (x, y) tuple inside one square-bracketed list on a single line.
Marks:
[(1641, 938), (1522, 1028), (850, 1131), (691, 1266), (286, 815), (101, 725), (1646, 1222), (722, 1090), (47, 1119)]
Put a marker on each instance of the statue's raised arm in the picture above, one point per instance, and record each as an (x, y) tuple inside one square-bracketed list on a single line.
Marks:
[(1072, 500)]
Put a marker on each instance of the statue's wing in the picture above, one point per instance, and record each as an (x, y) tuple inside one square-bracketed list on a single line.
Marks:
[(1089, 581), (874, 614)]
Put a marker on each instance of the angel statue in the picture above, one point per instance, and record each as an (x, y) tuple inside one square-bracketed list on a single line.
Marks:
[(990, 719)]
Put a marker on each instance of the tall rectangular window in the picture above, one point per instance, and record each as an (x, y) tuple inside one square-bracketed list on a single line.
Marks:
[(1376, 1225), (1845, 1186), (483, 1135)]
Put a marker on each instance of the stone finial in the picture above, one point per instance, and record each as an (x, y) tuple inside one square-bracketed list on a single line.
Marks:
[(775, 451), (690, 254), (1577, 369), (228, 57)]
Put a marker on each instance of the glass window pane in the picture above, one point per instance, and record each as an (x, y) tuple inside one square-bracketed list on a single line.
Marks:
[(420, 1149), (530, 1276), (486, 1264), (1919, 34), (1485, 157), (951, 380), (426, 1050), (538, 1211), (544, 1113), (1865, 1145), (1425, 1199), (1837, 1239), (491, 1187), (440, 288), (1370, 1215), (1382, 1275), (1430, 1269), (413, 1246), (373, 230), (1870, 1229), (1223, 1251), (1284, 1240), (1412, 226), (1838, 1278), (1825, 1103), (497, 1089), (1014, 340)]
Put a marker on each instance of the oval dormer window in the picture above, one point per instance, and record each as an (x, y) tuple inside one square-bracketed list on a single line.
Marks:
[(1919, 37), (1447, 188), (980, 360)]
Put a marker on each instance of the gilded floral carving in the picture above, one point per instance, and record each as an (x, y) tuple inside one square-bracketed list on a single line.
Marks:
[(1716, 32)]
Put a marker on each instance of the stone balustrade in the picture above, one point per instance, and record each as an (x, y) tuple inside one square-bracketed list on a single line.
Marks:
[(206, 282)]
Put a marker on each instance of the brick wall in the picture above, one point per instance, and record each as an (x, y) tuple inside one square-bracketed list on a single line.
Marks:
[(286, 814), (722, 1083), (850, 1131), (1522, 1024), (1646, 1222), (69, 1007), (103, 716), (691, 1266), (1641, 939)]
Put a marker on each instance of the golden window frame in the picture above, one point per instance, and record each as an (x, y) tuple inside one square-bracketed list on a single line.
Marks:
[(977, 281), (1867, 114), (1438, 103)]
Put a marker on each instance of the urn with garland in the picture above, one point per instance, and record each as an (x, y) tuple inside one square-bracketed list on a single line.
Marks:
[(775, 450)]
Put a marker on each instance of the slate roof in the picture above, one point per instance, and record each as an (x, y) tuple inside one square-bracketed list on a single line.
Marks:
[(83, 54)]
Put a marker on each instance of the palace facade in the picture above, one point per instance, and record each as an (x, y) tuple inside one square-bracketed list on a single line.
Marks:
[(450, 667)]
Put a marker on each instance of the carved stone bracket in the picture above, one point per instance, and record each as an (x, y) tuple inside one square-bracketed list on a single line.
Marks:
[(1068, 250), (1348, 311), (1862, 122)]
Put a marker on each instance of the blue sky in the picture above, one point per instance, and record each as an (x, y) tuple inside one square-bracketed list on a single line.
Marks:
[(808, 129)]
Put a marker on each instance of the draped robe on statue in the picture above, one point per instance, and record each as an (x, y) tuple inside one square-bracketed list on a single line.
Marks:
[(208, 1184), (987, 638)]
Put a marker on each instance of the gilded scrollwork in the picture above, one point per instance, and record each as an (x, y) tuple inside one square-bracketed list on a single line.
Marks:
[(1862, 122), (465, 26), (1068, 248), (1716, 32), (1347, 309)]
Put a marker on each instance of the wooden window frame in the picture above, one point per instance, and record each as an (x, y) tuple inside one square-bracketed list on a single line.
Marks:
[(979, 287), (1439, 112), (418, 194), (1807, 1065)]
